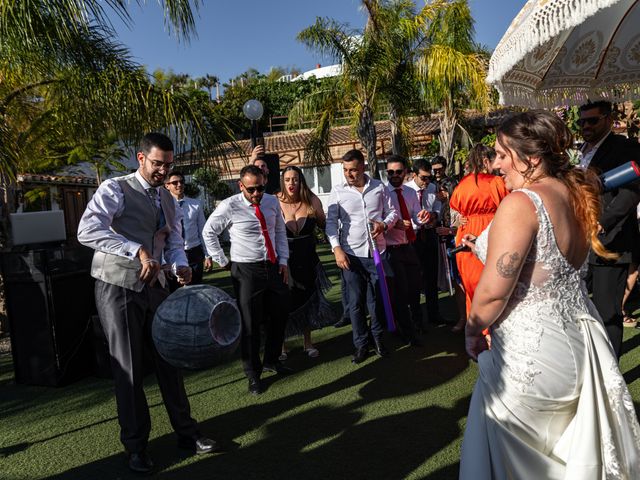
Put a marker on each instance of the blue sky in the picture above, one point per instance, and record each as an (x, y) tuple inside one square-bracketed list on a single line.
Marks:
[(235, 35)]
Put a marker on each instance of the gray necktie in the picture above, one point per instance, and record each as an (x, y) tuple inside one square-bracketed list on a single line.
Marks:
[(152, 192)]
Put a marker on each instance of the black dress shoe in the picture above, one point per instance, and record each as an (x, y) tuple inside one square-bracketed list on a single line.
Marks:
[(343, 322), (278, 368), (199, 446), (361, 355), (139, 462), (255, 386), (380, 348)]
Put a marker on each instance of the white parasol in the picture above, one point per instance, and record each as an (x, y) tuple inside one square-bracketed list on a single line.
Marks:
[(563, 52)]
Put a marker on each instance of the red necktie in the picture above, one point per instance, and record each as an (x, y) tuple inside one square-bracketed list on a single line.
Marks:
[(265, 233), (404, 211)]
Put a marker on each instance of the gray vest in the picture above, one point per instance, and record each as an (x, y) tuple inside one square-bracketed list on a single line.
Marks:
[(138, 222)]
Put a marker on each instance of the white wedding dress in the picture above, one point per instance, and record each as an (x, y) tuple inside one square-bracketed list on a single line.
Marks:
[(550, 402)]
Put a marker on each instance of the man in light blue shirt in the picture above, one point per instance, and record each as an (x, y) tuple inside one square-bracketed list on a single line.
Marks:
[(191, 225), (358, 205)]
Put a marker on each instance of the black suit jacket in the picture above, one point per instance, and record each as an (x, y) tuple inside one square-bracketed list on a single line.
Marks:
[(618, 217)]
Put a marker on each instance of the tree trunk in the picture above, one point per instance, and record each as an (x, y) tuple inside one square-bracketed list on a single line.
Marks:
[(398, 145), (368, 139), (448, 124)]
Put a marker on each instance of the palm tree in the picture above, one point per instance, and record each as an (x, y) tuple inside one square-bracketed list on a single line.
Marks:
[(64, 79), (208, 82), (452, 69), (356, 89)]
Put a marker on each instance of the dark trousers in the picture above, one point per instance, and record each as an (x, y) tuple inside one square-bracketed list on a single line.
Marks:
[(360, 278), (126, 318), (404, 288), (608, 283), (259, 289), (426, 246), (195, 257)]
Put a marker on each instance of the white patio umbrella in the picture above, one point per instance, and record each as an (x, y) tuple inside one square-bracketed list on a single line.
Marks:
[(563, 52)]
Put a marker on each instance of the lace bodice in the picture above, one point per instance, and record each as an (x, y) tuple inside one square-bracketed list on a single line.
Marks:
[(546, 274)]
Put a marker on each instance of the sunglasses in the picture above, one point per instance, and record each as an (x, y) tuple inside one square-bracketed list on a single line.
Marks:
[(436, 170), (252, 190), (590, 120), (175, 183), (391, 173), (425, 178)]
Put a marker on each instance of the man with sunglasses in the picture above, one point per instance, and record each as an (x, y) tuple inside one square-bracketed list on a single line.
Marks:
[(602, 151), (427, 242), (191, 223), (259, 255), (132, 224), (405, 284)]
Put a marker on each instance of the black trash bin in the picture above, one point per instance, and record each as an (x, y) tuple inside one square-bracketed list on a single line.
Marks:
[(50, 302)]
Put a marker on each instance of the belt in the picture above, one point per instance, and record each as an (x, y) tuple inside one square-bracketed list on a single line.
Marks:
[(394, 247)]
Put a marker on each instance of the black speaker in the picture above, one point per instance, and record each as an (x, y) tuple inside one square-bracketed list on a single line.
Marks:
[(50, 300), (273, 162)]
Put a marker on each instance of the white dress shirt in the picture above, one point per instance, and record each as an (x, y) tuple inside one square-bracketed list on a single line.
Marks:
[(108, 203), (247, 242), (395, 236), (351, 210), (193, 221), (587, 155), (430, 201)]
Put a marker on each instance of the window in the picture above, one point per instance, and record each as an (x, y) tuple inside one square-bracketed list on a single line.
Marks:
[(324, 179)]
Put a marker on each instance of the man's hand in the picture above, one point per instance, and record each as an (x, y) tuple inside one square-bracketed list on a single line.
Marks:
[(377, 228), (424, 216), (208, 264), (150, 267), (444, 231), (342, 260), (403, 225), (284, 271), (183, 273), (257, 152)]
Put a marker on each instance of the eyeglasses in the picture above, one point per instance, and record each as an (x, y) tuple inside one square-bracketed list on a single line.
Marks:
[(391, 173), (175, 183), (252, 190), (590, 120), (160, 164), (436, 170)]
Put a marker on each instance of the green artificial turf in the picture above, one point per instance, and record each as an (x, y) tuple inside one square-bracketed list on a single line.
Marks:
[(392, 418)]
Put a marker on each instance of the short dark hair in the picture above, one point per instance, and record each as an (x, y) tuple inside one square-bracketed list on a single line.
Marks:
[(439, 160), (421, 164), (353, 156), (175, 173), (603, 106), (251, 170), (397, 159), (155, 139)]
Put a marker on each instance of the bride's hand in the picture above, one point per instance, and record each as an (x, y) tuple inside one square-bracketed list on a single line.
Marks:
[(476, 344)]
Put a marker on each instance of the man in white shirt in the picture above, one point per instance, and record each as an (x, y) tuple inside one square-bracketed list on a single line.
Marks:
[(131, 223), (191, 223), (358, 205), (259, 255), (426, 243), (407, 276)]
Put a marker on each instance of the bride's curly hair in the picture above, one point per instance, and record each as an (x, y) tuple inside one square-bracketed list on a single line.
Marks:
[(541, 134)]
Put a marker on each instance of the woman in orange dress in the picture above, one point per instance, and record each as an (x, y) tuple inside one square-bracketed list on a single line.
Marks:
[(476, 199)]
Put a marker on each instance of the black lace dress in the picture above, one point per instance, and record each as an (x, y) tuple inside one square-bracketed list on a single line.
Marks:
[(308, 282)]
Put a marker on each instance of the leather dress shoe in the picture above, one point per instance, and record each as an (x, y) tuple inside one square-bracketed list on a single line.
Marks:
[(380, 349), (199, 445), (360, 355), (140, 462), (278, 368), (255, 386), (343, 322)]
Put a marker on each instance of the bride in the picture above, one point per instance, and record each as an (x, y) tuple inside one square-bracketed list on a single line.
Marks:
[(550, 401)]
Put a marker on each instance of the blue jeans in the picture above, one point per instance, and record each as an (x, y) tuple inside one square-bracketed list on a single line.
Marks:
[(361, 277)]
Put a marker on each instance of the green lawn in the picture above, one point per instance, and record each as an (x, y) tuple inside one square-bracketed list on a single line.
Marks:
[(392, 418)]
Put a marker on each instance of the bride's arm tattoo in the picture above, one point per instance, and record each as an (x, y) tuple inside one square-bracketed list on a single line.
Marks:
[(508, 264)]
